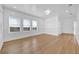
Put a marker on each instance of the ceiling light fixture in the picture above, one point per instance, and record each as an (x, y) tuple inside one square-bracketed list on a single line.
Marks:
[(67, 11), (47, 12), (14, 7)]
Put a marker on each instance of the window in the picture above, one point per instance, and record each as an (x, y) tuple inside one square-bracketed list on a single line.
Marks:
[(26, 25), (34, 25), (14, 24)]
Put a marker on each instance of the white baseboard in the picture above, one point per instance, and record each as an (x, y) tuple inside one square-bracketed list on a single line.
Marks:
[(67, 33)]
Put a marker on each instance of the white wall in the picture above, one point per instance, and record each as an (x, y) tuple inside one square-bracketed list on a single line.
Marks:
[(77, 34), (67, 26), (11, 36), (1, 26), (56, 25), (52, 25)]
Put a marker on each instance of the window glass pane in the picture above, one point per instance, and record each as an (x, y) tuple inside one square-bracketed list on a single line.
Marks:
[(26, 25), (14, 24), (34, 25), (14, 29)]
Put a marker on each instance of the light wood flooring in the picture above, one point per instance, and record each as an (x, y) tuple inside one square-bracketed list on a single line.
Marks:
[(42, 44)]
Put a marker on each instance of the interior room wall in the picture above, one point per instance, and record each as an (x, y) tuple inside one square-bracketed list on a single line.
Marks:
[(1, 26), (11, 36), (67, 16), (52, 25), (77, 34), (67, 25), (64, 22)]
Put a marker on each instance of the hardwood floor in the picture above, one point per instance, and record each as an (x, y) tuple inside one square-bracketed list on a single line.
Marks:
[(42, 44)]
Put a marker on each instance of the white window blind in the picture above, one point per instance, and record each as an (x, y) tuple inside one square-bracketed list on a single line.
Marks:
[(34, 23), (26, 23), (14, 22)]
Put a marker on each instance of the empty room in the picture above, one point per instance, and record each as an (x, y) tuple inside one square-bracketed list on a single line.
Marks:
[(39, 28)]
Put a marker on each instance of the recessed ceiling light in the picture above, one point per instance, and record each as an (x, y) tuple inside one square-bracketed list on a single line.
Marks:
[(14, 7), (47, 12), (67, 11)]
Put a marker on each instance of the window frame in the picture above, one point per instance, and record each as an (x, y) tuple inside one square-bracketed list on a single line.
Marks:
[(32, 27), (18, 18), (23, 25)]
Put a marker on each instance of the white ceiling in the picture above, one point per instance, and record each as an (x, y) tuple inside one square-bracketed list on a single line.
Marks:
[(39, 9)]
